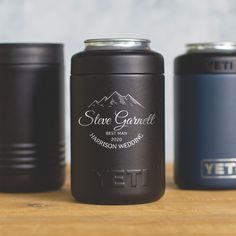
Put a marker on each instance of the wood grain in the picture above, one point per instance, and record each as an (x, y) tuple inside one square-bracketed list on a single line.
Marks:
[(177, 213)]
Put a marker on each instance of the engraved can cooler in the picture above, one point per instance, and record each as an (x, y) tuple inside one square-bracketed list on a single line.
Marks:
[(117, 122), (205, 116), (32, 155)]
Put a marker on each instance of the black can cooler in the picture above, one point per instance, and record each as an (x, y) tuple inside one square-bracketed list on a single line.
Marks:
[(117, 122), (32, 155)]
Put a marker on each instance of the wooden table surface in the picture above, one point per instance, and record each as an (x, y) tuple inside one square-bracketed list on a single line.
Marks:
[(177, 213)]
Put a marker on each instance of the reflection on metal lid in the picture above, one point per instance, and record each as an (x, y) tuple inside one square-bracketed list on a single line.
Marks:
[(117, 44)]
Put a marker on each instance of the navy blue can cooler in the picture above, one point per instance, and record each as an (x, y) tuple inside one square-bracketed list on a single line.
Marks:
[(205, 117)]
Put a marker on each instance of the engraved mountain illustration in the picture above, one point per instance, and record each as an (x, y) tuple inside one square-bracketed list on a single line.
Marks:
[(115, 100)]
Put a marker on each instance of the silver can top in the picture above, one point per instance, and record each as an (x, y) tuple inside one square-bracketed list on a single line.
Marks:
[(117, 44), (211, 47)]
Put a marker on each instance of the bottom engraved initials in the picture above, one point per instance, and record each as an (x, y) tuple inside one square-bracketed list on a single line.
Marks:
[(122, 178)]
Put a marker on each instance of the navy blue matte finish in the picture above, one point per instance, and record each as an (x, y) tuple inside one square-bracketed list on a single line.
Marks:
[(205, 129)]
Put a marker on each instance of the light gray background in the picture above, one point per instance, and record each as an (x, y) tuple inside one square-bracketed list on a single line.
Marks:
[(170, 24)]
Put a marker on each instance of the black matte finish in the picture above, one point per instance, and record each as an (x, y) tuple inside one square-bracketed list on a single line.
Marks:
[(32, 154), (117, 62), (104, 170), (31, 53)]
